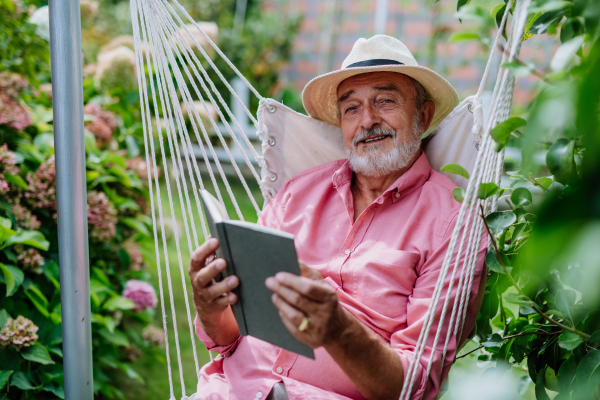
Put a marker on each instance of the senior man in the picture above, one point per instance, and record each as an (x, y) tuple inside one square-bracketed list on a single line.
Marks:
[(371, 230)]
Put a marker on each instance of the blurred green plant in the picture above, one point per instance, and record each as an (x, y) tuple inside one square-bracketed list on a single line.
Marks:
[(541, 310)]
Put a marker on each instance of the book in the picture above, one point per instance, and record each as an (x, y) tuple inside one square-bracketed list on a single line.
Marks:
[(253, 253)]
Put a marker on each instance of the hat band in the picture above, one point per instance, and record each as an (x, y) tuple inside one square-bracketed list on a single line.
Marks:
[(373, 62)]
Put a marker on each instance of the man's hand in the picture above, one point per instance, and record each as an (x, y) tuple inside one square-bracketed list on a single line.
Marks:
[(308, 296), (212, 299)]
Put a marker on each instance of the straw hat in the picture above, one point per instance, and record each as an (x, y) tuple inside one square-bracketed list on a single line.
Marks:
[(379, 53)]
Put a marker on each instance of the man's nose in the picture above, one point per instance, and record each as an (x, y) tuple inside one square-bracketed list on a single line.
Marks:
[(370, 117)]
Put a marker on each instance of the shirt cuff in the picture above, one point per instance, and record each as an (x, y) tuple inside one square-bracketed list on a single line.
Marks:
[(419, 384), (210, 344)]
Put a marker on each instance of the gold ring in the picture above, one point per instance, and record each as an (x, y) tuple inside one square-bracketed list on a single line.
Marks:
[(304, 324)]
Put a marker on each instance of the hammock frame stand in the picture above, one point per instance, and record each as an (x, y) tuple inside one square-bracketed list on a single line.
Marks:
[(71, 197)]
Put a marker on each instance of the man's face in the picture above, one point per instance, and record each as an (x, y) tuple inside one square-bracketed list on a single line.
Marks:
[(380, 124)]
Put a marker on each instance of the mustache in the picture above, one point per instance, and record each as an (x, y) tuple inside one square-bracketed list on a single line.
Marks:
[(373, 131)]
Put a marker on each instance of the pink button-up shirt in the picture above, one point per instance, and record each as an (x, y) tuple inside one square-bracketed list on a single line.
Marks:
[(384, 267)]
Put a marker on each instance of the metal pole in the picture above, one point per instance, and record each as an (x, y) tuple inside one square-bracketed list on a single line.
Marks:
[(71, 197), (381, 14)]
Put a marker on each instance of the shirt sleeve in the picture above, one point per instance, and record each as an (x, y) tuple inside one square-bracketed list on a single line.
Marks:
[(405, 340)]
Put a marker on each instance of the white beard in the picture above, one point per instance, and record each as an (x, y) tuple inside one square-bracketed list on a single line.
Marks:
[(377, 164)]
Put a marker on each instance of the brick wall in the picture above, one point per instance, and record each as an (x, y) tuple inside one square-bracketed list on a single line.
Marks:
[(413, 22)]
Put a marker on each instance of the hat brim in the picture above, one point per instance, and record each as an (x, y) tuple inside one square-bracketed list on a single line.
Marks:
[(319, 96)]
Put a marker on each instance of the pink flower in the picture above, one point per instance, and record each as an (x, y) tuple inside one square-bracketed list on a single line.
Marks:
[(42, 186), (141, 293), (102, 217), (135, 255), (154, 334), (20, 332), (103, 125), (11, 112), (7, 166), (30, 260), (139, 166), (25, 218)]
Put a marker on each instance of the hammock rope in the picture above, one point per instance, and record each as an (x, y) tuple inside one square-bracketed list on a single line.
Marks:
[(163, 50)]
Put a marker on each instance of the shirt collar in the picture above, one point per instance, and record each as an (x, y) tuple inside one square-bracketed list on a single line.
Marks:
[(414, 178)]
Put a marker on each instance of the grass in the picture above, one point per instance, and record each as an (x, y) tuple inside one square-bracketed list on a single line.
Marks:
[(154, 372)]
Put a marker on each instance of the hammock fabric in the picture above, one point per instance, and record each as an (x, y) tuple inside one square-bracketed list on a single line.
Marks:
[(171, 77)]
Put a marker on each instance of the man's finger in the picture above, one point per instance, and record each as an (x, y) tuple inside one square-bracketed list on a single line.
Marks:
[(201, 253), (224, 301), (308, 272), (217, 290), (293, 297), (315, 290), (293, 314), (205, 276)]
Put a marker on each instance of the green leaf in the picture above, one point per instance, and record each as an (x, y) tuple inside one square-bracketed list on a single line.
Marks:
[(461, 3), (588, 366), (569, 341), (487, 190), (516, 298), (13, 277), (540, 391), (16, 180), (566, 373), (496, 9), (493, 341), (38, 299), (21, 381), (5, 222), (5, 233), (4, 375), (37, 353), (459, 194), (464, 37), (550, 380), (502, 131), (550, 6), (117, 337), (455, 169), (3, 318), (492, 262), (556, 313), (499, 221), (119, 303), (545, 182), (56, 390), (136, 224), (560, 160), (30, 238), (542, 24), (521, 197), (98, 287)]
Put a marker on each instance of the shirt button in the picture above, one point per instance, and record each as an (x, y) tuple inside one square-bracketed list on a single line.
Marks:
[(279, 370), (397, 194), (259, 395), (347, 251)]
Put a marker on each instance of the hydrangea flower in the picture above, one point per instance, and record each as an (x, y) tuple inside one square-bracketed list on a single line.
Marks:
[(116, 69), (139, 166), (42, 186), (12, 113), (154, 334), (141, 293), (102, 217), (103, 125), (133, 249), (7, 166), (30, 260), (20, 332), (25, 218), (41, 18)]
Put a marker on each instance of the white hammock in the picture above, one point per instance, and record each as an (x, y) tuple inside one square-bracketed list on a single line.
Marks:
[(292, 143)]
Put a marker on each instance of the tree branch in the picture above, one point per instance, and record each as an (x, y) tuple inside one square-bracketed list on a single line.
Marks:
[(531, 303), (507, 338)]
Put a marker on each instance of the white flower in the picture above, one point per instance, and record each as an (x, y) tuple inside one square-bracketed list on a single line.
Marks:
[(41, 18)]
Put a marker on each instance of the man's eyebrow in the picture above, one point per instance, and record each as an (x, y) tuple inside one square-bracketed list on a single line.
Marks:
[(345, 96), (389, 87)]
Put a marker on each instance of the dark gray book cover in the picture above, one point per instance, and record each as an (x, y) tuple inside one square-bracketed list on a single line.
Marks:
[(253, 253)]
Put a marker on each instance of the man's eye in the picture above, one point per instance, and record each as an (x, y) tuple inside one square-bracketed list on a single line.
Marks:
[(387, 101), (349, 109)]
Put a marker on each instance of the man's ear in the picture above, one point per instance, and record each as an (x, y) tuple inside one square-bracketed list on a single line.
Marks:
[(426, 114)]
